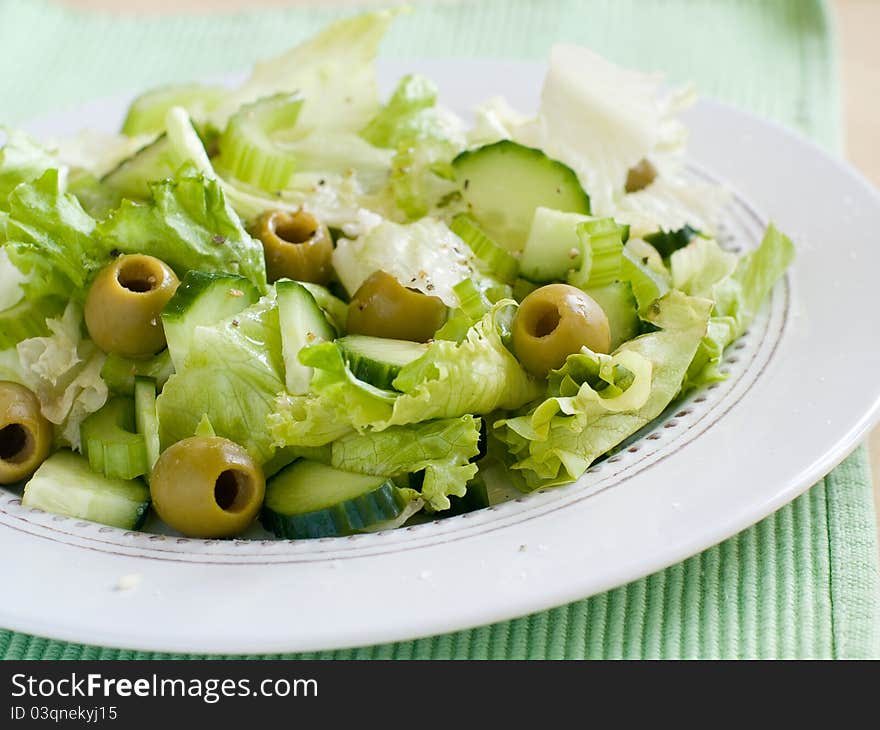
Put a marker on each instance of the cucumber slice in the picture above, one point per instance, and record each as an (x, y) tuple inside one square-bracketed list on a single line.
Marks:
[(553, 247), (120, 372), (302, 323), (504, 183), (110, 443), (27, 319), (622, 309), (335, 309), (146, 115), (203, 299), (147, 420), (247, 150), (377, 360), (65, 485), (132, 176), (310, 499)]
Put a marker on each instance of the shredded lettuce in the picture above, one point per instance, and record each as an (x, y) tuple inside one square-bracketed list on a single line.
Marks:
[(442, 449), (556, 441), (64, 372), (424, 255), (425, 138), (627, 118), (189, 225), (233, 374), (738, 288), (333, 71), (51, 239), (22, 160)]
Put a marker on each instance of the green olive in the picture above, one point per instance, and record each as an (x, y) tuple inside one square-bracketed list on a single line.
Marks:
[(296, 246), (207, 486), (553, 322), (382, 307), (124, 303), (640, 176), (25, 434)]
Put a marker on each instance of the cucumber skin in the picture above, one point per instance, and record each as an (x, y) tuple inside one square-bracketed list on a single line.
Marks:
[(297, 306), (529, 158), (347, 518), (187, 300), (369, 370)]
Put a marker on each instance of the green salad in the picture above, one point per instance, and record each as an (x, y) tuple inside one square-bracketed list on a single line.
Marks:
[(297, 303)]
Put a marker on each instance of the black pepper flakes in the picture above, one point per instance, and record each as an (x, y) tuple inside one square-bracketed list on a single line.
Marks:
[(218, 239)]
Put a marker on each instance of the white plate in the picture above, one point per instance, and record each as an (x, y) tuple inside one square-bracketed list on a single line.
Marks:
[(802, 391)]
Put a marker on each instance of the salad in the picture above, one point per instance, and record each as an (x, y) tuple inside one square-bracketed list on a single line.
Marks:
[(291, 302)]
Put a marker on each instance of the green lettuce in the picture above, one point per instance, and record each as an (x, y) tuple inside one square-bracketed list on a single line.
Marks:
[(63, 370), (477, 376), (425, 140), (442, 449), (232, 375), (22, 160), (51, 239), (556, 441), (334, 71), (737, 286), (189, 225)]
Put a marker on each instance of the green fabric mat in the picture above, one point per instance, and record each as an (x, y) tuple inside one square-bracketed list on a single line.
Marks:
[(802, 583)]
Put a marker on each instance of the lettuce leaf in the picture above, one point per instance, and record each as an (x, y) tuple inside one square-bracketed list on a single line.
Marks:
[(425, 138), (737, 286), (424, 255), (442, 449), (64, 372), (22, 160), (477, 377), (232, 375), (625, 112), (51, 239), (334, 71), (556, 441), (189, 225)]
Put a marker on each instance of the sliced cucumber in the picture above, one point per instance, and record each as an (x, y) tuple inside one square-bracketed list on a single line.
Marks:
[(335, 309), (120, 372), (146, 115), (622, 309), (248, 151), (132, 176), (203, 299), (65, 484), (377, 360), (302, 323), (110, 442), (146, 419), (553, 246), (27, 319), (504, 183), (310, 499)]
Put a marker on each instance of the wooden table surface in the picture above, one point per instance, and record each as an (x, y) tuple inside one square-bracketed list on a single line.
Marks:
[(857, 23)]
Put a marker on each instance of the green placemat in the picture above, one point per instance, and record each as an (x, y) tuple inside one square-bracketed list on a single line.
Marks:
[(802, 583)]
